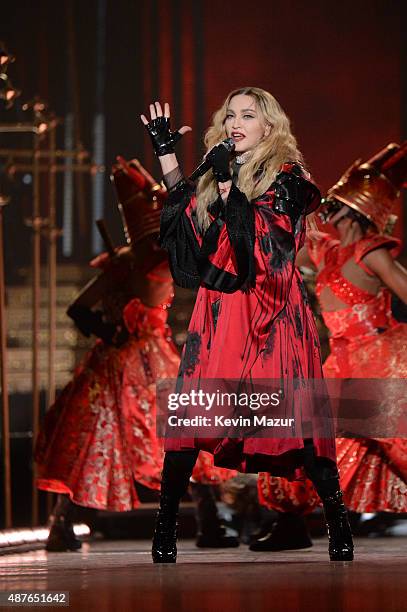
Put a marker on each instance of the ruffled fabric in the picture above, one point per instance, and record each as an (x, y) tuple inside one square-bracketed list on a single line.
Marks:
[(144, 320), (100, 435), (365, 342)]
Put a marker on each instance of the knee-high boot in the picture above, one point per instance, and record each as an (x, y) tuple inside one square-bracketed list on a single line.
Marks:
[(324, 475), (337, 523), (177, 470), (61, 535)]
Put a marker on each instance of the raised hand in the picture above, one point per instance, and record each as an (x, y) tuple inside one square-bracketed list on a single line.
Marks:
[(158, 127)]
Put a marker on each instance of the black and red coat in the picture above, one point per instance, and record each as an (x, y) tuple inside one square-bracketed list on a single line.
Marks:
[(251, 319)]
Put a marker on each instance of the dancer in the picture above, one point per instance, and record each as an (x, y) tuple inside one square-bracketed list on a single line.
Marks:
[(236, 238), (355, 277), (99, 437)]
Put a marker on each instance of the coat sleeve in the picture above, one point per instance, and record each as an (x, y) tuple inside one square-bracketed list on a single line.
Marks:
[(280, 233), (179, 236)]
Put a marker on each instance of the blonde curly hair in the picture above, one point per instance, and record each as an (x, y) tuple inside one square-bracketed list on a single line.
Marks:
[(257, 174)]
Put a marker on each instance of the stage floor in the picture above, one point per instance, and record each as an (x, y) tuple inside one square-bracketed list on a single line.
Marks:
[(118, 575)]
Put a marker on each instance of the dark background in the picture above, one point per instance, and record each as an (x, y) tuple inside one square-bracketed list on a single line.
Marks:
[(337, 68)]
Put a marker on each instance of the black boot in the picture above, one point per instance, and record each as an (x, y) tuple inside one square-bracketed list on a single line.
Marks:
[(211, 534), (164, 549), (61, 536), (324, 475), (289, 532), (177, 470), (337, 523)]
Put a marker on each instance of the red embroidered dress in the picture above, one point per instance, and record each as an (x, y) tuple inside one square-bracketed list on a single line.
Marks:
[(251, 318), (99, 437), (365, 342)]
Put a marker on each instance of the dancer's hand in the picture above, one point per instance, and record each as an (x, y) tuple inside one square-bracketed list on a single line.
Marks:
[(160, 131)]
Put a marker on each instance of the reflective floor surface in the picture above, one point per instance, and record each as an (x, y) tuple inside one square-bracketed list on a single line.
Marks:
[(119, 575)]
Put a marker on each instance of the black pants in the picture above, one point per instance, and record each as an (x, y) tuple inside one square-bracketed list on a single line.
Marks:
[(178, 466), (322, 472)]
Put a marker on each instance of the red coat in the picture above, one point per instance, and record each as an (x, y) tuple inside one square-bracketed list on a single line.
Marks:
[(251, 318)]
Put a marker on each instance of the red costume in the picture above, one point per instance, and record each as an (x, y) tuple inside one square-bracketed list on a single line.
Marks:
[(100, 435), (263, 330), (365, 342)]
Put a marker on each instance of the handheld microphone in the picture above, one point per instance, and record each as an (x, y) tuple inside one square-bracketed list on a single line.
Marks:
[(228, 143)]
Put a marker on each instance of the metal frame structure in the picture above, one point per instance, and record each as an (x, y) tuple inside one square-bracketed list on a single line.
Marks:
[(37, 160)]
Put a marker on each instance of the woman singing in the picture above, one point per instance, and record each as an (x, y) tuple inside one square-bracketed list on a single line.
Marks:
[(235, 238)]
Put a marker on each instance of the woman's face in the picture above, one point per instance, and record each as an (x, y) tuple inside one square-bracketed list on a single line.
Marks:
[(245, 123)]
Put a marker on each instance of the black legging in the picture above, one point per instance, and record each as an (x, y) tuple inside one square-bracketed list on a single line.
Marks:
[(177, 470), (322, 472), (178, 467)]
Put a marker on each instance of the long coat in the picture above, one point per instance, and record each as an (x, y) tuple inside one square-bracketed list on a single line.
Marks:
[(251, 319)]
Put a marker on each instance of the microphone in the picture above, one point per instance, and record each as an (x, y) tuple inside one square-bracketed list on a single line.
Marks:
[(228, 143)]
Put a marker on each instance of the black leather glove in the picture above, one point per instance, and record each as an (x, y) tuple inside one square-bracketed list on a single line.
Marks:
[(161, 136), (91, 322), (219, 157)]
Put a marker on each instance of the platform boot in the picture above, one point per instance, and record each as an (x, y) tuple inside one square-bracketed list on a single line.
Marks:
[(337, 523), (323, 473), (177, 470)]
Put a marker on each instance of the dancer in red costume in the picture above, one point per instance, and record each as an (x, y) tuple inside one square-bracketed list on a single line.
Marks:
[(236, 241), (355, 277), (99, 437)]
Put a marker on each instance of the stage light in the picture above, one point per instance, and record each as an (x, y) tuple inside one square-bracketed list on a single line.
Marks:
[(37, 106), (42, 127), (5, 57), (39, 114), (10, 538), (8, 93)]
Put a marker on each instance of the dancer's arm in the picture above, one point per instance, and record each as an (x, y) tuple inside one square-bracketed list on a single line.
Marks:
[(391, 272), (303, 259)]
